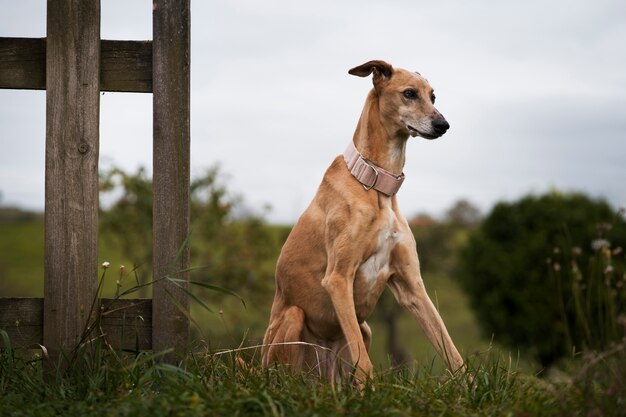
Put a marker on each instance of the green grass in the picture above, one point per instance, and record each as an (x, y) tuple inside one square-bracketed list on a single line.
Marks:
[(22, 257), (100, 382)]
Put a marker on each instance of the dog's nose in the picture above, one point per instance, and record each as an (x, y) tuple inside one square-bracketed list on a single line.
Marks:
[(440, 125)]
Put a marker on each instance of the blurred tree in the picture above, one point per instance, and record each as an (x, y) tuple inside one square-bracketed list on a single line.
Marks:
[(463, 213), (128, 220), (237, 252), (439, 241), (508, 265)]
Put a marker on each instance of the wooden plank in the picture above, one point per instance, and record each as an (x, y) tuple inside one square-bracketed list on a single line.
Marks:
[(125, 324), (171, 37), (126, 66), (71, 184), (22, 319), (23, 63)]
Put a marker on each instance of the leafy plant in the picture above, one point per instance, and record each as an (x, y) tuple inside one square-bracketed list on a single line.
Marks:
[(517, 298), (237, 249), (591, 285)]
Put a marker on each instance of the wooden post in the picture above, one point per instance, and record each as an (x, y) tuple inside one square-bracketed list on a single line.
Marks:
[(72, 139), (73, 65), (171, 36)]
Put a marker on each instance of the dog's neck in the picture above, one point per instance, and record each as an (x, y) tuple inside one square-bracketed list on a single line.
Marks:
[(374, 140)]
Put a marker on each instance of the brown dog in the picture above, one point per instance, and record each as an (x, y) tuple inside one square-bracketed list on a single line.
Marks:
[(352, 240)]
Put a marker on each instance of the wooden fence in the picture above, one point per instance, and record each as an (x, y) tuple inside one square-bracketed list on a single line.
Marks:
[(73, 65)]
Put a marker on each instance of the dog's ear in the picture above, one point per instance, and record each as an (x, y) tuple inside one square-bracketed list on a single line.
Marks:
[(381, 70)]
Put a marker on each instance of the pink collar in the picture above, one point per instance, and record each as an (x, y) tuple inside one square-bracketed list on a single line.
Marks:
[(370, 175)]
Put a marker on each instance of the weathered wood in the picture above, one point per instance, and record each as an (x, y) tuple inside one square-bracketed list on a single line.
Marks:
[(73, 65), (126, 66), (71, 185), (23, 63), (171, 37), (125, 324), (22, 319)]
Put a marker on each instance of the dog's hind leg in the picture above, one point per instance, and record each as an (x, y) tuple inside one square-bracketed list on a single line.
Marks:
[(285, 329)]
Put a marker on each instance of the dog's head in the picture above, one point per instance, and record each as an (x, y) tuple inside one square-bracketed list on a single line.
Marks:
[(406, 100)]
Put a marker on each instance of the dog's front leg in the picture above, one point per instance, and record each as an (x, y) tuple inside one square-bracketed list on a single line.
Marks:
[(340, 289), (408, 288)]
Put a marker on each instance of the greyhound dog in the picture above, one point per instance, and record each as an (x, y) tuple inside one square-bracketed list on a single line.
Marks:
[(352, 241)]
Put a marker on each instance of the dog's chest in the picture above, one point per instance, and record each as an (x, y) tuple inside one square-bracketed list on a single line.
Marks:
[(376, 267)]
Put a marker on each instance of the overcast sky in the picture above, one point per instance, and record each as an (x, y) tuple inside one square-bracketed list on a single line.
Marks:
[(535, 92)]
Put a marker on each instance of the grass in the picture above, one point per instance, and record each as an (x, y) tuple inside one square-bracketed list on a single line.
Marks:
[(100, 382), (22, 256)]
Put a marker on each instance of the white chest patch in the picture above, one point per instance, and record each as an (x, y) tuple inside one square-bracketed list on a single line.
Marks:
[(378, 262)]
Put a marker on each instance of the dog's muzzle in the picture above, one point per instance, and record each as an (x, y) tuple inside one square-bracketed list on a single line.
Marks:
[(440, 126)]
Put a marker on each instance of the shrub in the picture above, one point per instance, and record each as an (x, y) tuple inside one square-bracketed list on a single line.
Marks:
[(534, 278)]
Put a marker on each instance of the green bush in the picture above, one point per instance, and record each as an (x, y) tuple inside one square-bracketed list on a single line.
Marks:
[(236, 248), (540, 269)]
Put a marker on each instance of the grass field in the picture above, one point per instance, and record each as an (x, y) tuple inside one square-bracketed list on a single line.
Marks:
[(104, 383), (22, 255), (21, 258)]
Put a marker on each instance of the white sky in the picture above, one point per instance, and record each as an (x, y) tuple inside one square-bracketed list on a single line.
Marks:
[(535, 92)]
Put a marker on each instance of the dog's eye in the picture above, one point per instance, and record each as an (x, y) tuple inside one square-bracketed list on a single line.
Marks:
[(410, 94), (432, 97)]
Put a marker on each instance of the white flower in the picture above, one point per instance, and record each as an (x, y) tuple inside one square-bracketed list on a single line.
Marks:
[(105, 264), (598, 244)]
